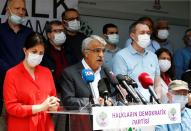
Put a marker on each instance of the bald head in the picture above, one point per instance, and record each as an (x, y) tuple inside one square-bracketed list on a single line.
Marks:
[(162, 24), (10, 2)]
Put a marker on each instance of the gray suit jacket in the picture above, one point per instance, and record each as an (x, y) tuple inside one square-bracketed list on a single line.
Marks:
[(75, 91)]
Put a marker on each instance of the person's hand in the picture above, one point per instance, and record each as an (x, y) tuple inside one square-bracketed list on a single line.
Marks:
[(50, 102), (107, 102), (55, 104)]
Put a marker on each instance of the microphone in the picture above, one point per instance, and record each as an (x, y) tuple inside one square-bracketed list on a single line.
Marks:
[(113, 80), (88, 76), (129, 89), (134, 85), (147, 82), (103, 87)]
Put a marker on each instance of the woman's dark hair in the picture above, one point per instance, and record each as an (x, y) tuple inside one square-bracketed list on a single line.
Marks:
[(34, 39), (171, 71)]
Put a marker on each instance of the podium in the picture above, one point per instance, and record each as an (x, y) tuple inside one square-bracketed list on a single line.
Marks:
[(119, 118), (76, 120)]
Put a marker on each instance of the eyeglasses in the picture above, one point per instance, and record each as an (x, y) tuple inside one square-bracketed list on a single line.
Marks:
[(57, 30), (97, 50)]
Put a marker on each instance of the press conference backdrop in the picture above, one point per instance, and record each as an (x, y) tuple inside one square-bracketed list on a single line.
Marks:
[(96, 13)]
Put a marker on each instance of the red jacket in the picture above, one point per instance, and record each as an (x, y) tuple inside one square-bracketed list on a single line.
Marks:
[(21, 92)]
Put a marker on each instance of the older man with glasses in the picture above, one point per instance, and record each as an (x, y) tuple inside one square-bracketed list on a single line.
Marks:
[(76, 92)]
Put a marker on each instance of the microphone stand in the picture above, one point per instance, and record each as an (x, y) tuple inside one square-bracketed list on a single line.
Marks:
[(151, 98)]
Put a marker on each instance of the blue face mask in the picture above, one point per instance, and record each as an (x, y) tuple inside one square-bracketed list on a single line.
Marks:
[(113, 38)]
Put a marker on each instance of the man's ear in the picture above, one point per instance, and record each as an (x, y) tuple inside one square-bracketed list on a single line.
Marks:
[(48, 35), (132, 36), (85, 53), (169, 95), (8, 12)]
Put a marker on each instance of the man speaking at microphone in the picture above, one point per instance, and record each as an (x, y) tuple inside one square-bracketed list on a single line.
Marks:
[(135, 59), (75, 90)]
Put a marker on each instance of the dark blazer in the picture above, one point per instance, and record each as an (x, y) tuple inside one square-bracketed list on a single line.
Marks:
[(75, 91)]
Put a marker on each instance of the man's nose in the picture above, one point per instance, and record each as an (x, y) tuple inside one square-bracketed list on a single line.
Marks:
[(21, 12)]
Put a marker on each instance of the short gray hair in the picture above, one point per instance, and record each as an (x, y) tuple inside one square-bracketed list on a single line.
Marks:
[(88, 40)]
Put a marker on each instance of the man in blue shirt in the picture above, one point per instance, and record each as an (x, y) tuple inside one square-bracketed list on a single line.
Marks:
[(111, 36), (182, 56), (178, 93), (153, 46), (12, 38), (161, 35), (135, 59)]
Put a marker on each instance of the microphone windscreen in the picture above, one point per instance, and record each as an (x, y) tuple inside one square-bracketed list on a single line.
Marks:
[(120, 77), (110, 75), (145, 80), (130, 81), (103, 87), (88, 75)]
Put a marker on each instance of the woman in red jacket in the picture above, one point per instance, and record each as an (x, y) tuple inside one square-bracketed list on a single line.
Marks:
[(29, 91)]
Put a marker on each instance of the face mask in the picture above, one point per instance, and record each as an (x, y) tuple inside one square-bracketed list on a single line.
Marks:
[(16, 19), (73, 25), (59, 38), (183, 100), (164, 65), (163, 34), (144, 40), (34, 59), (113, 38)]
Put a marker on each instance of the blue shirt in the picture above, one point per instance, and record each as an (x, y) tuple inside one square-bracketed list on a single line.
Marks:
[(183, 126), (11, 46), (130, 62), (182, 59), (152, 47), (108, 56), (165, 44)]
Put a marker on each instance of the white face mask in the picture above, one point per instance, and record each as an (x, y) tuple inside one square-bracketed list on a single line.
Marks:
[(15, 19), (163, 34), (144, 40), (183, 100), (164, 65), (73, 25), (59, 38), (34, 59), (113, 38)]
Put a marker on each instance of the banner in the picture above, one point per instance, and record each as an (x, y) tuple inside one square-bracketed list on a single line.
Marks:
[(117, 117), (39, 12)]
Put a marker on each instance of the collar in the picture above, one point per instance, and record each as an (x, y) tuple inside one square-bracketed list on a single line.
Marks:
[(185, 110), (187, 48), (165, 42), (10, 29), (133, 51), (86, 66)]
